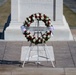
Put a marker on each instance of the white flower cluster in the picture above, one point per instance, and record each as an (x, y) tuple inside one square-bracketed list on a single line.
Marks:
[(34, 40), (44, 36)]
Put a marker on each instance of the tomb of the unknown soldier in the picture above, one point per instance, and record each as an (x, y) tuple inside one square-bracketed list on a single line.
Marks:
[(21, 9)]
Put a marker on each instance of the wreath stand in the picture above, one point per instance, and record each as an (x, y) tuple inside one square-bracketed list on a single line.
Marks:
[(30, 49)]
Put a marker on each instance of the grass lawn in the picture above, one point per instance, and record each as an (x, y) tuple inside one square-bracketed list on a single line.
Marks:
[(4, 12), (6, 8), (70, 16)]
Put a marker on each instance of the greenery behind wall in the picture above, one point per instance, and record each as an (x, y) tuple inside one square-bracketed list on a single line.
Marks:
[(70, 16), (5, 10)]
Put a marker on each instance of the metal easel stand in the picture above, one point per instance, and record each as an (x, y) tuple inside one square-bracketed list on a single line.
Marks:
[(38, 56)]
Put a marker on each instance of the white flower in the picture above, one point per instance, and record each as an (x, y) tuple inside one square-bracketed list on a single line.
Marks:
[(47, 18), (34, 40), (39, 36), (37, 14), (29, 19), (42, 17), (27, 35), (39, 40), (33, 18), (31, 35), (36, 37), (48, 36), (44, 36), (52, 34), (28, 31), (43, 40)]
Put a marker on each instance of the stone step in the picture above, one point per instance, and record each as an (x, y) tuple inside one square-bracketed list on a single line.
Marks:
[(58, 35), (38, 71)]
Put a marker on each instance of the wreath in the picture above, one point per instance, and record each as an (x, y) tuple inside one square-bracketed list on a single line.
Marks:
[(44, 37)]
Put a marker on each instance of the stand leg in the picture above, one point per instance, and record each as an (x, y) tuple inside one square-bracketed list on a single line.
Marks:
[(29, 54), (37, 54), (47, 59), (26, 56), (52, 64), (25, 59), (23, 64), (45, 52)]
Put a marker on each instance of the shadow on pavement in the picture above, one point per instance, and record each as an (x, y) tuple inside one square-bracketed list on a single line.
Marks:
[(0, 35), (9, 62)]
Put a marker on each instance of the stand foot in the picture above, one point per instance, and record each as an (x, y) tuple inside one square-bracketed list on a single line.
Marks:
[(38, 63), (53, 64), (22, 65)]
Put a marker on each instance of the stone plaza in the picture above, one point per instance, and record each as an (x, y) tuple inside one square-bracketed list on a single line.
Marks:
[(63, 43), (65, 59)]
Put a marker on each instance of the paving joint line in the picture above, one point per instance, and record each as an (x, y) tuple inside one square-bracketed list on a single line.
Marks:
[(4, 52), (64, 71), (71, 54)]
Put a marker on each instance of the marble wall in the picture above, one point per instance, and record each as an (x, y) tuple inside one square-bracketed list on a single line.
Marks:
[(20, 9), (24, 8)]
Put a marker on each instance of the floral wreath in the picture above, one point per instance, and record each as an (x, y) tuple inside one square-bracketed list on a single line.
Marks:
[(44, 37)]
